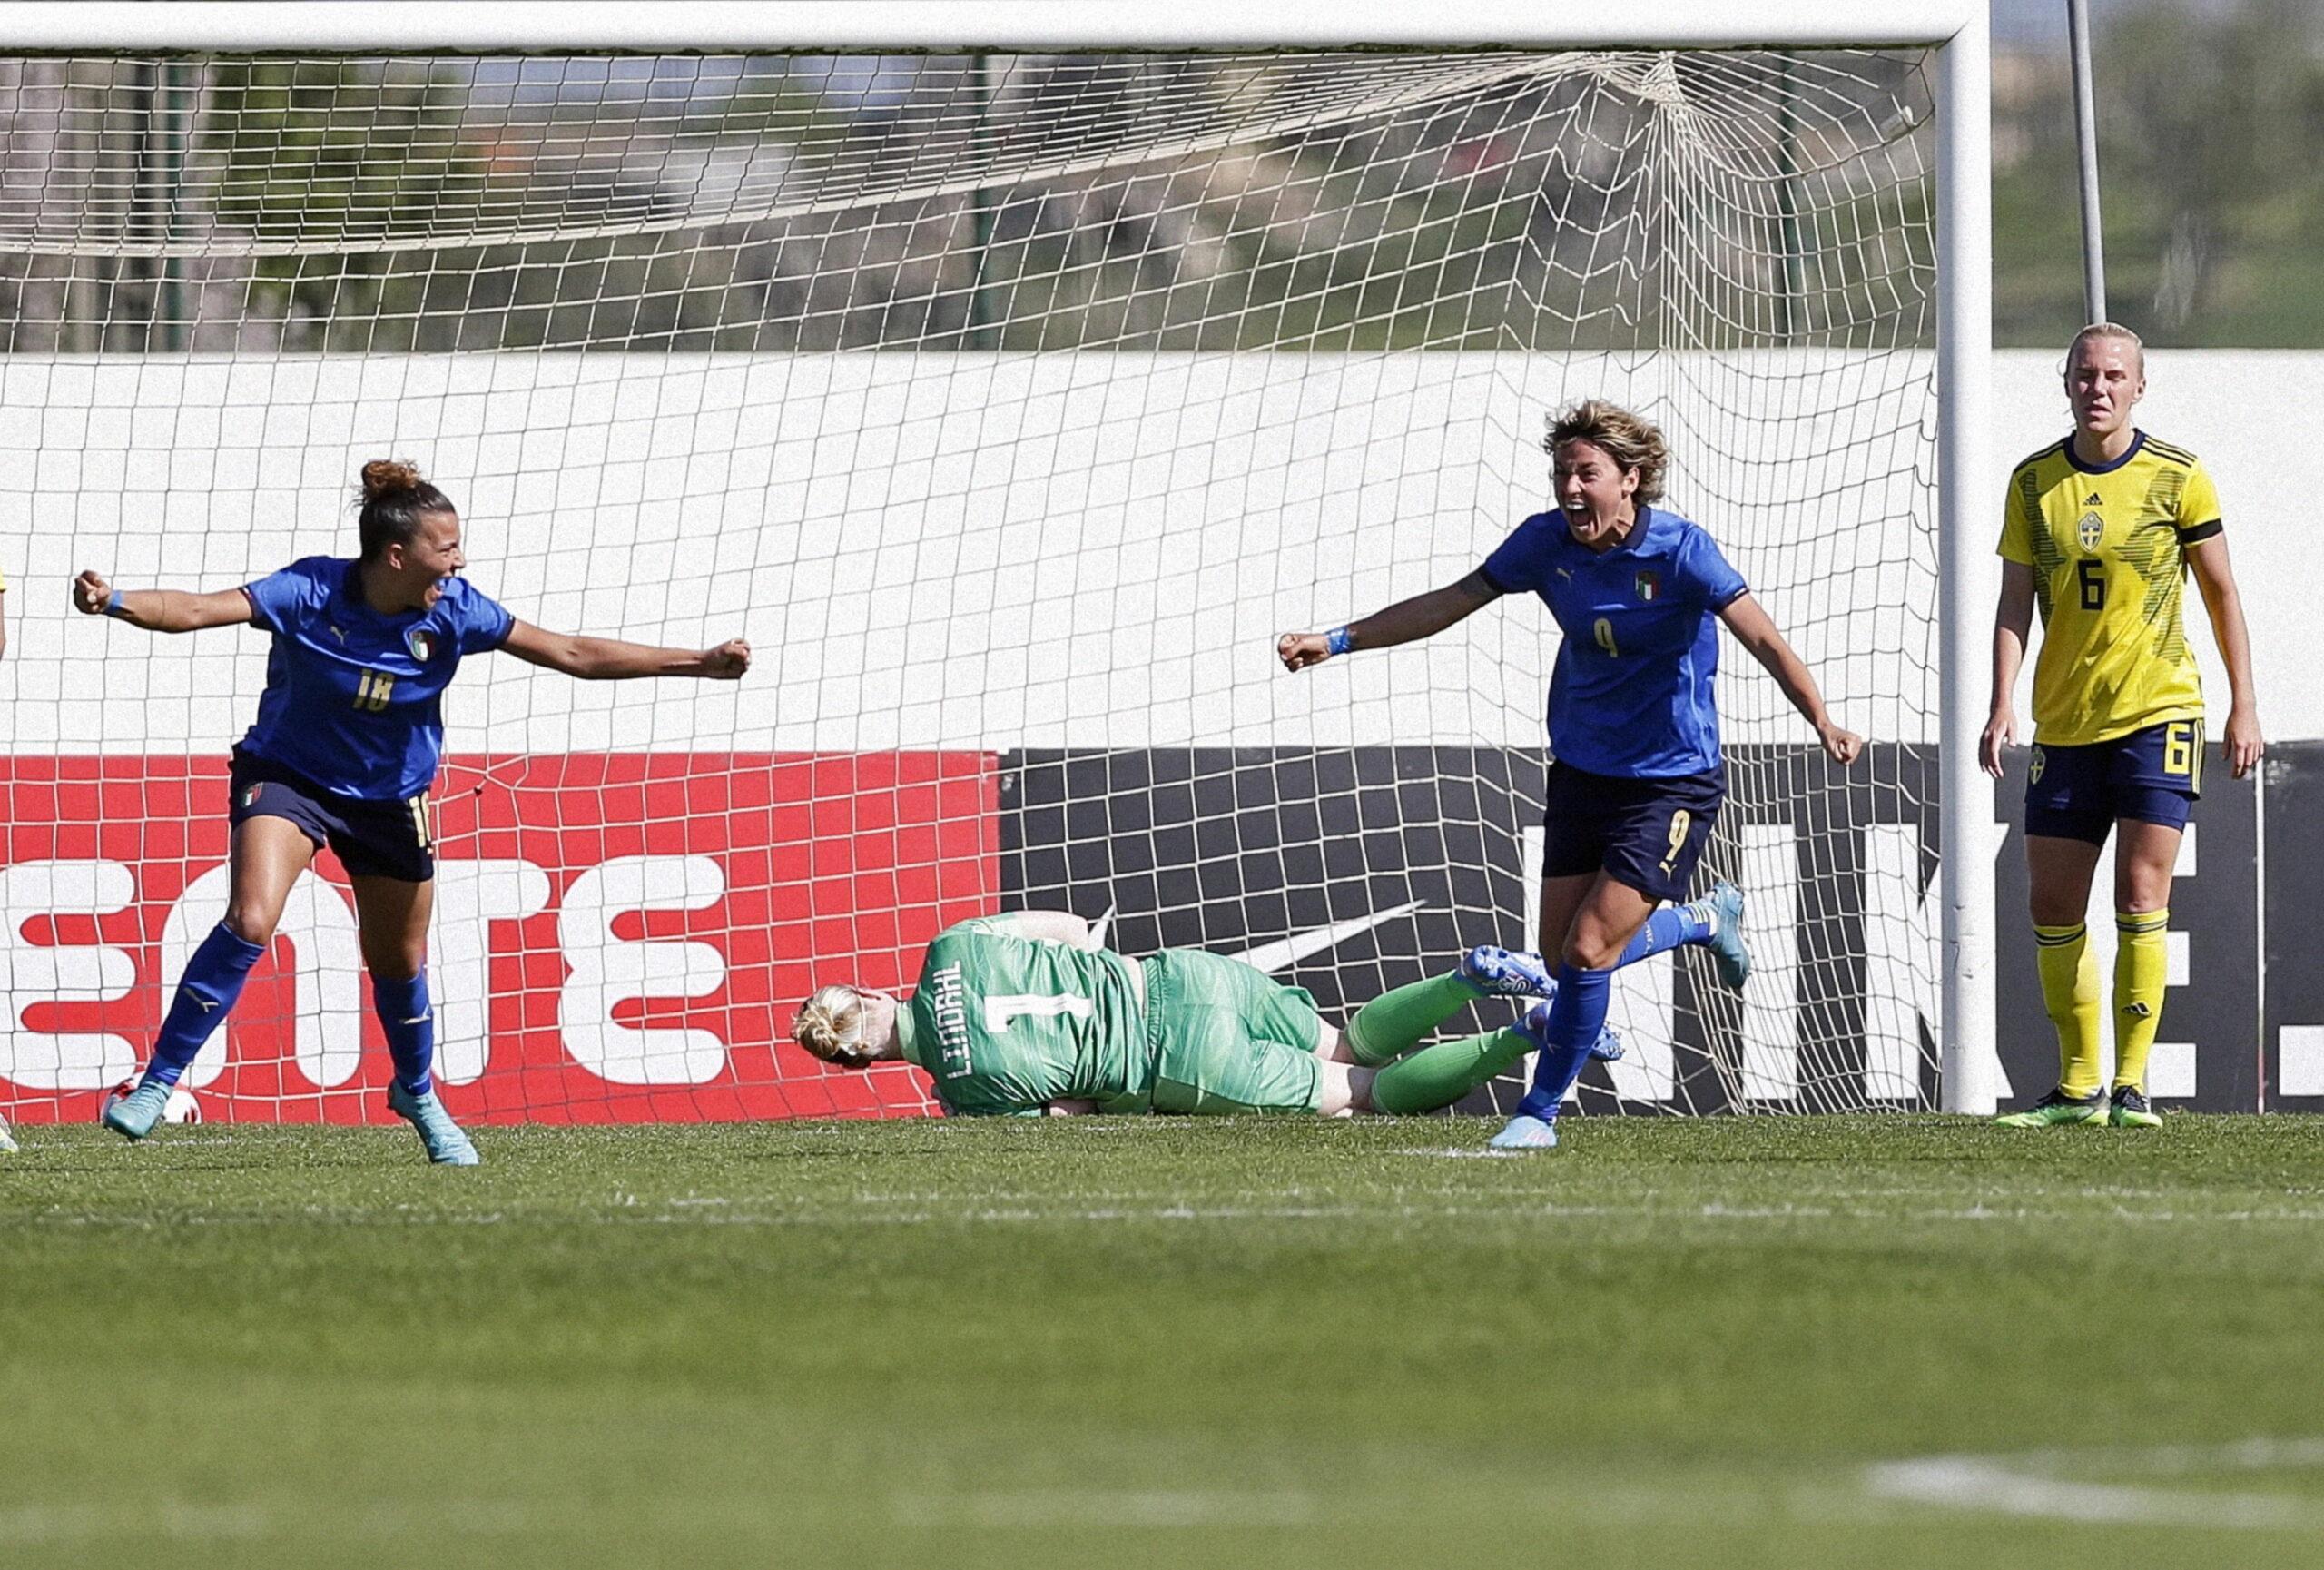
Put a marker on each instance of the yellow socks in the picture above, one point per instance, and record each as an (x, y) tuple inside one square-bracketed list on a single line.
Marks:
[(2070, 993), (2142, 972)]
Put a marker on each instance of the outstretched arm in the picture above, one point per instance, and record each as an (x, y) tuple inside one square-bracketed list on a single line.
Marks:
[(160, 609), (1756, 631), (1406, 621), (2012, 622), (2216, 579), (609, 659)]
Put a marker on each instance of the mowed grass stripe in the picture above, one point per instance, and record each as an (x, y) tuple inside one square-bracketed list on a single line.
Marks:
[(1326, 1344)]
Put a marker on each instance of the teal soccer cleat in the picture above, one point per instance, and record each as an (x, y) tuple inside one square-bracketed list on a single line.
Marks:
[(1729, 952), (447, 1145), (1526, 1132), (134, 1115)]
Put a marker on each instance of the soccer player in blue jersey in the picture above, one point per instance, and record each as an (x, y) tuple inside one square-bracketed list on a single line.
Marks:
[(1637, 781), (345, 750)]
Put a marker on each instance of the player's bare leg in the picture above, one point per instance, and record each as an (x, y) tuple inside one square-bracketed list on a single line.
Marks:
[(392, 914), (265, 858), (1347, 1090)]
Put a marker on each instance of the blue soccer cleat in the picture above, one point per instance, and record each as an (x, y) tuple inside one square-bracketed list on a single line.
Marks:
[(1535, 1028), (1507, 972), (447, 1145), (1730, 954), (134, 1115)]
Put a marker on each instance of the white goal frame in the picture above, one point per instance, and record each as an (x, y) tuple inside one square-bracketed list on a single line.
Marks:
[(1958, 31)]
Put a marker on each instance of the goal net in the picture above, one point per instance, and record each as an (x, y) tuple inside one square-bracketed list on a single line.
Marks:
[(1011, 407)]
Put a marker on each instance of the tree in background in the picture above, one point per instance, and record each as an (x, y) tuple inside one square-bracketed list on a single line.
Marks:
[(2214, 201)]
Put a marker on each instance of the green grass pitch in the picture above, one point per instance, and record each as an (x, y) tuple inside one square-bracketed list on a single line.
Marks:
[(1901, 1342)]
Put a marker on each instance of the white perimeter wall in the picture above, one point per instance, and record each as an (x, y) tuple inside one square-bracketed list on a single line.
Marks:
[(995, 551)]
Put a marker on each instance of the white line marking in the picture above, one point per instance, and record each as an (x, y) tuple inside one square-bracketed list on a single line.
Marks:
[(1463, 1153), (2034, 1484)]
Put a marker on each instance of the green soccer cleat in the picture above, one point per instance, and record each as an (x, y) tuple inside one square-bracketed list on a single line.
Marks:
[(1729, 956), (2057, 1108), (447, 1145), (134, 1115), (2130, 1110)]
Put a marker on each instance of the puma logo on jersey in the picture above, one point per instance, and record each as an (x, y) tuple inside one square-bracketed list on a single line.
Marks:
[(339, 635)]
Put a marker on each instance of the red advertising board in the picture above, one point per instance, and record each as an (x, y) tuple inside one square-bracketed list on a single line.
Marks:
[(618, 937)]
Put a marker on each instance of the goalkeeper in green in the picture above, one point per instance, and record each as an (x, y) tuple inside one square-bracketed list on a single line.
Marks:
[(1021, 1016)]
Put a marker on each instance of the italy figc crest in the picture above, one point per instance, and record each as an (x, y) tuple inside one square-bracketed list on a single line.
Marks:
[(1649, 585), (422, 643)]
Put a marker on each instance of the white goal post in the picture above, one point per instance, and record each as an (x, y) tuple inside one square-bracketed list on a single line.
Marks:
[(1954, 227)]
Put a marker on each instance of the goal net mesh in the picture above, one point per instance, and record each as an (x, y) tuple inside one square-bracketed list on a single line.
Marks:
[(1012, 407)]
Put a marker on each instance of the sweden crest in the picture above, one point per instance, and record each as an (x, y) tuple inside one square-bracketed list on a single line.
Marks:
[(2090, 530)]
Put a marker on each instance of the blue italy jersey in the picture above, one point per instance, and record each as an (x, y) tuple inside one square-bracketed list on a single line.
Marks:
[(354, 699), (1630, 694)]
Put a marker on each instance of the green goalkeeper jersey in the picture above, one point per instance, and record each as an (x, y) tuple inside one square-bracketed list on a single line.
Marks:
[(1005, 1024)]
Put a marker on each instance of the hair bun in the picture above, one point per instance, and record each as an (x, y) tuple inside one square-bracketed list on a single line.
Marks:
[(387, 475)]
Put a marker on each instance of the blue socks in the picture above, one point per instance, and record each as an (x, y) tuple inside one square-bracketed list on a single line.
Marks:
[(213, 979), (410, 1027), (1578, 1012), (1576, 1016), (1667, 929)]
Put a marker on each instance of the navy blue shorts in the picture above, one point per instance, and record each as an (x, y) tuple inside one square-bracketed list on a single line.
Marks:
[(1646, 834), (2150, 777), (371, 839)]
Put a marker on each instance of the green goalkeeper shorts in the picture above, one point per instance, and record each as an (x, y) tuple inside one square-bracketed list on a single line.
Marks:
[(1227, 1038)]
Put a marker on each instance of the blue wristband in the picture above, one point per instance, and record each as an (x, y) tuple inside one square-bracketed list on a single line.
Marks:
[(112, 602), (1337, 641)]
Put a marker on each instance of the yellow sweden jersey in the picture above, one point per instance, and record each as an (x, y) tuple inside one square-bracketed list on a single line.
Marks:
[(2108, 550)]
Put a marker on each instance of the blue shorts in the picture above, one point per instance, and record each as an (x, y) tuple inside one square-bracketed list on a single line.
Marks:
[(2150, 777), (1646, 834), (371, 839)]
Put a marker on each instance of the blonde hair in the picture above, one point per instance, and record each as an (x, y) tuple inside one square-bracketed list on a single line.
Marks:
[(831, 1026), (1631, 441), (2113, 330)]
